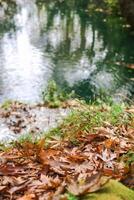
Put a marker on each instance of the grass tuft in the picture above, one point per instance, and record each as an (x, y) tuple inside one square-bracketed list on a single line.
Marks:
[(88, 118)]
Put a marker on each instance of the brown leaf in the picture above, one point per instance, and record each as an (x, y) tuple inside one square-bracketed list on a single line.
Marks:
[(18, 188), (28, 197), (9, 170), (88, 138), (2, 188), (40, 144), (109, 143), (131, 66), (91, 184), (44, 156)]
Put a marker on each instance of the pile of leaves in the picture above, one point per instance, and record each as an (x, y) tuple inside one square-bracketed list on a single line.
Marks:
[(16, 115), (52, 169), (22, 118)]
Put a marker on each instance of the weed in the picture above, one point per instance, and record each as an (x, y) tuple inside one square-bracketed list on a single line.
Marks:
[(129, 157), (84, 120), (53, 96), (71, 197), (7, 104), (111, 3), (4, 147), (89, 117), (54, 131), (28, 137)]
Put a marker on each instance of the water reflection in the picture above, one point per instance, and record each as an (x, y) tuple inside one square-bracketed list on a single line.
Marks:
[(63, 41), (22, 63)]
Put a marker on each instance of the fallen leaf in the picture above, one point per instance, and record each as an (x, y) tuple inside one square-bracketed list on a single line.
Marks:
[(28, 197)]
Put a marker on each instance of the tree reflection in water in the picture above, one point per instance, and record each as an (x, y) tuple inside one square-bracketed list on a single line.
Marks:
[(65, 41)]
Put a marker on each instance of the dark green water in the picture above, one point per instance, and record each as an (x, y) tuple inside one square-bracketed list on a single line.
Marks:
[(63, 40)]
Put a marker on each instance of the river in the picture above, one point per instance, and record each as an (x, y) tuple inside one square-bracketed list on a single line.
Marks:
[(64, 41)]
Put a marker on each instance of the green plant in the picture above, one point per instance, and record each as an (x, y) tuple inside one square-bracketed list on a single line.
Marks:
[(88, 118), (71, 197), (28, 137), (53, 96), (111, 4), (50, 97), (6, 104), (129, 157)]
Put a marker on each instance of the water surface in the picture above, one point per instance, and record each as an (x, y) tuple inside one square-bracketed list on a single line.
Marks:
[(63, 40)]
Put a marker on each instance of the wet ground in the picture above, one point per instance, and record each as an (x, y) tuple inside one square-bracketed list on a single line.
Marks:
[(87, 51), (21, 119)]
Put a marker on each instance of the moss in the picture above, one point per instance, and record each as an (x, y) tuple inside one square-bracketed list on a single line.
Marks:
[(112, 191)]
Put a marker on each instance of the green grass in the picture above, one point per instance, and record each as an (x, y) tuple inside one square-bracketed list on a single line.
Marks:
[(6, 104), (53, 96), (84, 120), (71, 197), (28, 137), (89, 117), (129, 157)]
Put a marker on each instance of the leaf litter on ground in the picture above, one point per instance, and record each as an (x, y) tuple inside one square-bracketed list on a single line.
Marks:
[(30, 171)]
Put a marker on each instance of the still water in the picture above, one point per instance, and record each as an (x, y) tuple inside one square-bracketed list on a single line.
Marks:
[(63, 40)]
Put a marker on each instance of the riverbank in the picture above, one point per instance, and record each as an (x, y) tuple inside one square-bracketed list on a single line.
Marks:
[(76, 160), (17, 119)]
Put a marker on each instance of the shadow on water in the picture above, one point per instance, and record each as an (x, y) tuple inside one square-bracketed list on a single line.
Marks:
[(63, 40)]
